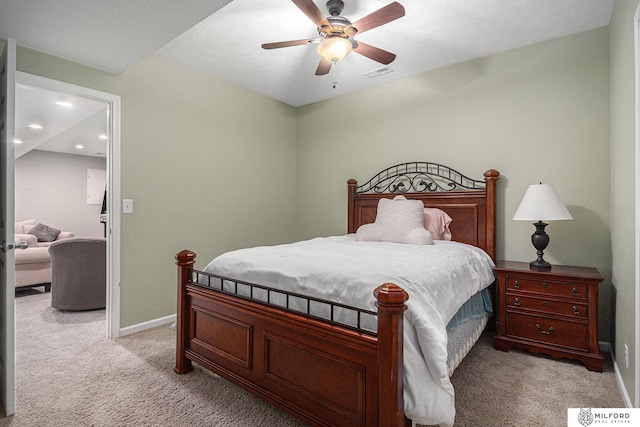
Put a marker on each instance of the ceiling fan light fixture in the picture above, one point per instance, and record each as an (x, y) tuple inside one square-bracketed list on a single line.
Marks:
[(334, 49)]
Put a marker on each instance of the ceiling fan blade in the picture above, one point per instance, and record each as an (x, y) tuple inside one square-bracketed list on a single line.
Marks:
[(309, 8), (375, 53), (323, 67), (389, 13), (277, 45)]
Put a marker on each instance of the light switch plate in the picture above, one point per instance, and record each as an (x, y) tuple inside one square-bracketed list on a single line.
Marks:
[(127, 206)]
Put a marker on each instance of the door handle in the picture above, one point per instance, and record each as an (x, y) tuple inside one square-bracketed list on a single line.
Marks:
[(7, 247)]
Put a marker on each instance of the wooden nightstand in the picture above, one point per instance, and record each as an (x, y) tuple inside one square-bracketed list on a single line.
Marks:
[(553, 312)]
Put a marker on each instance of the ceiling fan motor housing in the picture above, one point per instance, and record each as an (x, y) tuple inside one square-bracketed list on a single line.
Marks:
[(335, 7), (338, 26)]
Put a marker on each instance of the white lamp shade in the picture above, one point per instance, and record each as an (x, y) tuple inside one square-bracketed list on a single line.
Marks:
[(541, 203)]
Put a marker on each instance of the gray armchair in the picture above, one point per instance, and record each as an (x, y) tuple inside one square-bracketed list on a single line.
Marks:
[(79, 274)]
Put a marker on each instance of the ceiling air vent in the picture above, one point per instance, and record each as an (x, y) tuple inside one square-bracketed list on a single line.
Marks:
[(378, 72)]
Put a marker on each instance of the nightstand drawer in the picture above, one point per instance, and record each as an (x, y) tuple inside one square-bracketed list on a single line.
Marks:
[(561, 333), (570, 290), (546, 305)]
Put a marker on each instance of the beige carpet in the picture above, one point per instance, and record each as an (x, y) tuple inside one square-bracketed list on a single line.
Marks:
[(518, 388), (69, 374)]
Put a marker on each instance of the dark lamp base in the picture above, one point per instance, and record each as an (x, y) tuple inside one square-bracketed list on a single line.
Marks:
[(540, 265), (540, 240)]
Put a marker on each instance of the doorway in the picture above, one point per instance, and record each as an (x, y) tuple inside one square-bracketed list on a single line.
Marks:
[(112, 183)]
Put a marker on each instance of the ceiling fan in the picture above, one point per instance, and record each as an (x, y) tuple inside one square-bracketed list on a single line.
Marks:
[(336, 33)]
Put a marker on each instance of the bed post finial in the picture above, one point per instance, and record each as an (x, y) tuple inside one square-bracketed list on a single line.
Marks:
[(391, 307), (185, 256), (185, 260)]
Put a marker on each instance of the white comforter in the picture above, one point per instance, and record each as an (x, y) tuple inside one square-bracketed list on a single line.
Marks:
[(438, 278)]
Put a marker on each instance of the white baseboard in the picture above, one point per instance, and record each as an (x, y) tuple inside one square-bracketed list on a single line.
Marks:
[(606, 347), (147, 325)]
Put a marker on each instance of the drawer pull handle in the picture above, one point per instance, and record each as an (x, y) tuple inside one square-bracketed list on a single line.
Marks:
[(575, 291), (544, 303), (516, 302), (516, 284), (543, 331), (544, 285), (575, 310)]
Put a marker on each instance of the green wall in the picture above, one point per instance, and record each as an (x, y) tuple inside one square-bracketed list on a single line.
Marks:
[(623, 185), (539, 113), (210, 166)]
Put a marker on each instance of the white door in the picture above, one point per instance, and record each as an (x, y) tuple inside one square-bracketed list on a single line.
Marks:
[(7, 267)]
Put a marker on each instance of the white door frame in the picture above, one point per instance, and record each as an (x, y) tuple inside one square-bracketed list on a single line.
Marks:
[(7, 311), (636, 22), (113, 185)]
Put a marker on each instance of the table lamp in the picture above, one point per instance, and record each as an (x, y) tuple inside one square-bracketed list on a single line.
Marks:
[(541, 203)]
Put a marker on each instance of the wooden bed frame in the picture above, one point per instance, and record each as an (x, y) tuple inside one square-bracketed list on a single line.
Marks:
[(323, 372)]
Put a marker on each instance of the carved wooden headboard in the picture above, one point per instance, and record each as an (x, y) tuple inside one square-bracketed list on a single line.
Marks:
[(470, 203)]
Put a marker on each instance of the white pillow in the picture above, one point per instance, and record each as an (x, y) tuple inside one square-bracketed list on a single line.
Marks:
[(420, 236), (398, 220), (20, 226)]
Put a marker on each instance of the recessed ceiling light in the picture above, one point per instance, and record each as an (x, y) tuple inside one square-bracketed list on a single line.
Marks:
[(17, 141), (79, 147), (35, 126), (64, 104), (103, 136)]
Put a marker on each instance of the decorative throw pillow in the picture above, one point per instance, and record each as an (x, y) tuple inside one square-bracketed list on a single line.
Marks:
[(398, 220), (44, 233), (437, 222), (419, 236), (23, 227)]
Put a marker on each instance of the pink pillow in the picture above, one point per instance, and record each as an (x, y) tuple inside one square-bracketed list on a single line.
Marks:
[(437, 222)]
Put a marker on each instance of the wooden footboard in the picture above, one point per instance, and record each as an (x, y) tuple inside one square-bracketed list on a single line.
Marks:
[(321, 372)]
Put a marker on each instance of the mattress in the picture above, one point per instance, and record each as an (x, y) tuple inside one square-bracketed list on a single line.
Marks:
[(461, 339)]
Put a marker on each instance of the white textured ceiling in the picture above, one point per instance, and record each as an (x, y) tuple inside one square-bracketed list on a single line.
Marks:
[(432, 34), (223, 38)]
